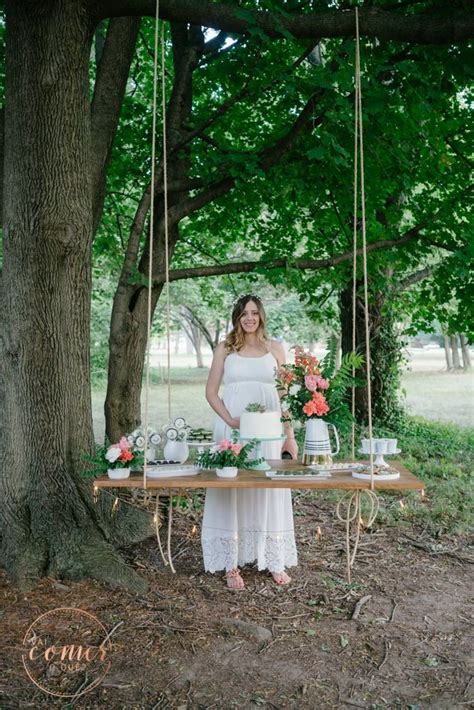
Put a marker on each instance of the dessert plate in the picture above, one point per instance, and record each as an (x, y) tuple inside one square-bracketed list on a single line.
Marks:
[(172, 470), (297, 475), (384, 475)]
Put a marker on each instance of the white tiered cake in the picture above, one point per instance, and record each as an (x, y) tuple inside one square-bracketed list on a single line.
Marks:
[(260, 425)]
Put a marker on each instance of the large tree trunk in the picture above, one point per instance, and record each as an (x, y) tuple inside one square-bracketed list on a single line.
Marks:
[(385, 358), (49, 523)]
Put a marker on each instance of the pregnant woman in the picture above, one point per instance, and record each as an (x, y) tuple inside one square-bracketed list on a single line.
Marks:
[(247, 524)]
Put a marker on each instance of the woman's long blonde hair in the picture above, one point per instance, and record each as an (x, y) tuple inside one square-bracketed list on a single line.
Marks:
[(235, 340)]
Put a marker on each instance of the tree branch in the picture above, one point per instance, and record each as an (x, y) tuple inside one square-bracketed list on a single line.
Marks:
[(266, 159), (421, 28), (249, 266), (246, 90), (414, 278), (109, 90)]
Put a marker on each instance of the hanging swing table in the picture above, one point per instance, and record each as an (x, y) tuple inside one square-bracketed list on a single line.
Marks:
[(354, 492), (257, 479)]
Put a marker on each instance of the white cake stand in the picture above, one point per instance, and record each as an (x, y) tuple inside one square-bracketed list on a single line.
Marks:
[(263, 466), (390, 475), (379, 458)]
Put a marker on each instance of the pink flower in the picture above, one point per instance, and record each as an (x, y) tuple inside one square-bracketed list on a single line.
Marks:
[(311, 382), (235, 448), (317, 405), (322, 383), (321, 407), (308, 408), (225, 444), (123, 444), (287, 376)]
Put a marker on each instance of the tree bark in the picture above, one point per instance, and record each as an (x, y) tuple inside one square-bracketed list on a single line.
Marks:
[(447, 353), (385, 356), (109, 90), (128, 331), (466, 354), (48, 521), (422, 28), (453, 339)]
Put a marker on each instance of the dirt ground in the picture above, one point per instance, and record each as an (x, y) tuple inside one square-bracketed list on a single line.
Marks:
[(307, 645)]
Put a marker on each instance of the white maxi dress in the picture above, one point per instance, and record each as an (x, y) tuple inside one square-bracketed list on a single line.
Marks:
[(248, 524)]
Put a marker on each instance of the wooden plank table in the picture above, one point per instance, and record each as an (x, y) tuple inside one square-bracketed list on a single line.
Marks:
[(257, 479), (354, 490)]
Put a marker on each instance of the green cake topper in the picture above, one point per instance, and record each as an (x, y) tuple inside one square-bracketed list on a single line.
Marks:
[(255, 407)]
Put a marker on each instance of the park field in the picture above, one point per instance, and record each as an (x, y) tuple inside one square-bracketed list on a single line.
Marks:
[(428, 391)]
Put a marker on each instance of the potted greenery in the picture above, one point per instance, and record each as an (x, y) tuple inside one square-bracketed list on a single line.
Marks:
[(226, 457), (115, 459)]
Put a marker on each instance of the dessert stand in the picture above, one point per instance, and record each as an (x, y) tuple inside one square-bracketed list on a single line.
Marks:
[(385, 473)]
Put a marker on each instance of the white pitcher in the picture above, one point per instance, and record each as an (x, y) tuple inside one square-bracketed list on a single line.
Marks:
[(317, 446)]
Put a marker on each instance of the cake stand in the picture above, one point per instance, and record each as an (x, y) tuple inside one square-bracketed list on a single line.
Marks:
[(379, 462), (263, 466), (379, 458)]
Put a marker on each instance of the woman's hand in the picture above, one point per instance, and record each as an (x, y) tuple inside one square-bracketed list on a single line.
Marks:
[(234, 423), (291, 446)]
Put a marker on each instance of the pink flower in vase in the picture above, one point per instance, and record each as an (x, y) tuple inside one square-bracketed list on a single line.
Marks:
[(123, 444), (225, 444), (311, 382), (322, 383), (236, 448), (320, 406)]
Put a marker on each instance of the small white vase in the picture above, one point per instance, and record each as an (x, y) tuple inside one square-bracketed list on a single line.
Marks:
[(176, 451), (118, 473), (227, 472)]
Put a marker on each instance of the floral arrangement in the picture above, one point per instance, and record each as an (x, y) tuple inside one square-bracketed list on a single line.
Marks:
[(119, 455), (313, 388), (226, 453)]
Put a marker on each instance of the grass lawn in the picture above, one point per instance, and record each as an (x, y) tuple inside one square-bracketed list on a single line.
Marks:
[(428, 390)]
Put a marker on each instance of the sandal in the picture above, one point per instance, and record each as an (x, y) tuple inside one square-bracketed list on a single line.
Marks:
[(234, 580)]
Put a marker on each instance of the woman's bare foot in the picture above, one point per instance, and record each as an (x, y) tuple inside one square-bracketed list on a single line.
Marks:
[(281, 577), (234, 580)]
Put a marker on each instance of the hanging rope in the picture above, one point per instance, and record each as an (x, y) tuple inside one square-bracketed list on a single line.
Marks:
[(354, 256), (150, 239), (152, 227), (165, 200), (353, 501), (359, 169)]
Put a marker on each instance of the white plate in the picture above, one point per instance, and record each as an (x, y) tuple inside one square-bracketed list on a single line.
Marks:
[(172, 470), (297, 477), (377, 476)]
